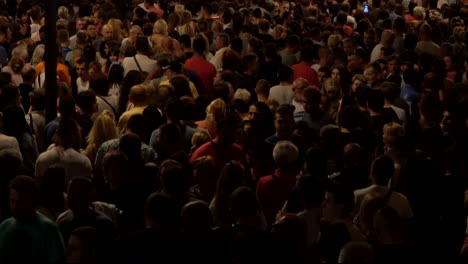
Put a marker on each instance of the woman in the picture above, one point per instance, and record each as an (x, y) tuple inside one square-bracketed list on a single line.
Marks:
[(198, 139), (340, 74), (118, 33), (332, 90), (356, 81), (104, 129), (214, 112), (232, 177), (15, 66), (115, 77), (162, 43)]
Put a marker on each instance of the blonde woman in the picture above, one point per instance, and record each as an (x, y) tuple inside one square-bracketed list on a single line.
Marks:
[(104, 129), (332, 90), (199, 138), (186, 25), (162, 43), (116, 25), (214, 113), (356, 81), (38, 54)]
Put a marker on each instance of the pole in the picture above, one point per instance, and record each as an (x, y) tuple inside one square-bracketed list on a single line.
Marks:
[(51, 60)]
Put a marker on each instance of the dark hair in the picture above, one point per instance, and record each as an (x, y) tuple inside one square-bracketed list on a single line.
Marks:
[(80, 193), (99, 84), (52, 187), (199, 45), (89, 53), (116, 74), (390, 90), (173, 177), (431, 107), (142, 44), (285, 74), (311, 190), (237, 44), (85, 100), (181, 86), (382, 170), (25, 184), (186, 40), (161, 209), (313, 96), (136, 124), (375, 100), (174, 109), (68, 134), (37, 99), (132, 78), (341, 18), (66, 106), (343, 195)]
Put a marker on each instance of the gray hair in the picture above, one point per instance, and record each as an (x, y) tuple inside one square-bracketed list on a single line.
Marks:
[(285, 153), (38, 54)]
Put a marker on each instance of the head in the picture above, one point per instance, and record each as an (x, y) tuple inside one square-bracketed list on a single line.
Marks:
[(375, 100), (82, 245), (90, 28), (226, 131), (298, 88), (262, 89), (285, 155), (107, 32), (161, 211), (135, 32), (81, 67), (24, 195), (312, 99), (382, 169), (331, 88), (373, 73), (80, 195), (173, 180), (142, 45), (68, 134), (104, 128), (356, 252), (199, 45), (284, 121), (196, 217), (138, 95), (222, 40), (86, 101)]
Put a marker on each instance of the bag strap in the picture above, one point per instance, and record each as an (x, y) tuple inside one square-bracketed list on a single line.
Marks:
[(105, 101), (138, 64)]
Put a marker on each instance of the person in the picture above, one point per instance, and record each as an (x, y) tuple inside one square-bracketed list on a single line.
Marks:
[(205, 71), (273, 190), (140, 62), (173, 70), (314, 116), (83, 246), (105, 101), (215, 112), (28, 236), (382, 170), (103, 129), (52, 190), (304, 70), (7, 142), (205, 176), (221, 44), (283, 92), (356, 252), (138, 97), (223, 148), (80, 197), (65, 150)]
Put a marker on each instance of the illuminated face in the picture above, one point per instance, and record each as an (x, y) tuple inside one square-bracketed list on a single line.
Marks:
[(335, 74), (80, 69), (91, 30), (107, 33), (356, 84), (393, 67)]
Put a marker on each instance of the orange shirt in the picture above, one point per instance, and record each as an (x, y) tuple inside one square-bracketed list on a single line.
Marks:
[(62, 72)]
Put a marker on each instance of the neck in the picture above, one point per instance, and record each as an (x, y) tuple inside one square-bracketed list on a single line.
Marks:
[(261, 98), (285, 83)]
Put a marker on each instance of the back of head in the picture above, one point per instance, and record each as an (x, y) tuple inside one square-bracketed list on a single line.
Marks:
[(68, 134), (356, 253), (130, 145), (37, 99), (10, 162), (244, 203), (199, 45), (99, 84), (136, 124), (142, 45), (66, 106), (24, 196), (382, 170), (375, 100), (80, 194), (285, 154), (196, 217), (342, 195), (313, 96), (161, 211), (173, 179), (86, 101), (311, 191), (181, 86), (138, 95), (174, 110)]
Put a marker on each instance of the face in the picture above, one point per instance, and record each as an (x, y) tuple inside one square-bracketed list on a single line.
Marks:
[(114, 57), (298, 89), (80, 69), (322, 76), (107, 33), (335, 74), (356, 84), (91, 72), (371, 75), (134, 33), (91, 30), (348, 47), (284, 7), (393, 67), (21, 205), (448, 63), (368, 39), (253, 112), (284, 125), (79, 24)]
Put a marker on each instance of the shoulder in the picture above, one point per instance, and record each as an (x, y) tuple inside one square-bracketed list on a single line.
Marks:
[(265, 180)]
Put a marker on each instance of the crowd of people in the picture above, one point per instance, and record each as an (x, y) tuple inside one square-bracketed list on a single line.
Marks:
[(247, 131)]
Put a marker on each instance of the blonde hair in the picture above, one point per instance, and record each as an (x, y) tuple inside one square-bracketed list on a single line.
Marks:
[(278, 30), (334, 40), (242, 94), (419, 13), (331, 84), (199, 138), (359, 77), (63, 12), (394, 132), (104, 129), (215, 111), (38, 54), (160, 27), (116, 25)]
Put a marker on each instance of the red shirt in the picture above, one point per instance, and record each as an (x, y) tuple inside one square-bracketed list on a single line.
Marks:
[(220, 156), (157, 11), (204, 70), (303, 70), (273, 191)]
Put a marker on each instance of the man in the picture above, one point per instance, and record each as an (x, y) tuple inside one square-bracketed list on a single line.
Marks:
[(29, 75), (175, 69), (107, 32), (82, 82), (28, 237), (283, 93), (314, 116), (138, 98), (290, 55), (391, 5), (325, 58), (150, 7), (382, 170), (82, 246), (304, 70), (392, 92), (135, 32), (221, 44), (81, 39), (223, 148), (386, 42), (80, 22), (90, 28), (4, 38), (274, 190), (426, 45), (262, 89), (284, 125), (140, 62), (87, 106), (205, 71)]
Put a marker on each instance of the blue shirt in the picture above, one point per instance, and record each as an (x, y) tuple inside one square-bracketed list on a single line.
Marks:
[(409, 94)]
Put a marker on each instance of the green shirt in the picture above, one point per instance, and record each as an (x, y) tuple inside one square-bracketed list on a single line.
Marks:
[(36, 241)]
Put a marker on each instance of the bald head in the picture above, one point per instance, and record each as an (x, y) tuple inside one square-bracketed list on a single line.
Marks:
[(107, 32), (138, 95)]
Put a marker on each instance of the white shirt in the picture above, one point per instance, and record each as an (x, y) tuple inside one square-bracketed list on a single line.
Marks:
[(147, 65), (375, 55), (283, 94), (217, 59), (72, 44), (7, 142), (75, 163), (81, 85), (399, 112)]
